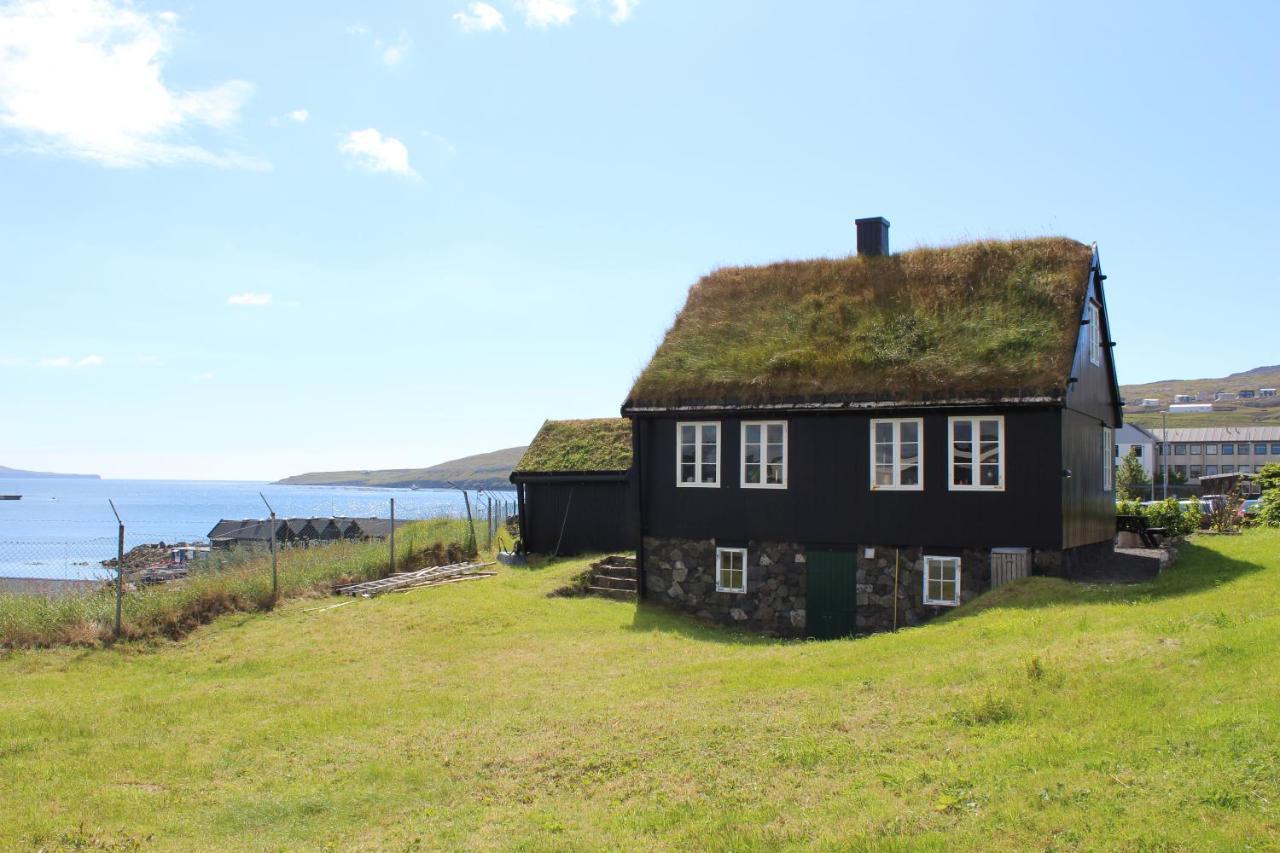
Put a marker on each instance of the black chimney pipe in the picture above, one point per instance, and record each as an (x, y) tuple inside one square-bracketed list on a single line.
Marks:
[(873, 235)]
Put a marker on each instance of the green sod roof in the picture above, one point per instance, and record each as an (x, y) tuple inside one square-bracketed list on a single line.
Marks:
[(981, 320), (595, 445)]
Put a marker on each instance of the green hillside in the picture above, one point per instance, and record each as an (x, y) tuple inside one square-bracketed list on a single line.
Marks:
[(1254, 412), (1045, 716), (482, 471), (1165, 389)]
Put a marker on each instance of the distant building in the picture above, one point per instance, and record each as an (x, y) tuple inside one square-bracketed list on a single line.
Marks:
[(1267, 392), (256, 532), (1150, 402), (1210, 451), (1247, 394), (1133, 440), (1185, 398), (1224, 395), (1185, 408)]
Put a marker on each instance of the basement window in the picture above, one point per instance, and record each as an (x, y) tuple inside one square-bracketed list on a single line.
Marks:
[(698, 454), (976, 453), (942, 581), (764, 454), (731, 570), (896, 454)]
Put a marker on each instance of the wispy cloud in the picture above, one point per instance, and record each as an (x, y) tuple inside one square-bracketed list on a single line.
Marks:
[(541, 14), (66, 361), (393, 53), (622, 10), (249, 299), (299, 115), (479, 18), (84, 78), (370, 150)]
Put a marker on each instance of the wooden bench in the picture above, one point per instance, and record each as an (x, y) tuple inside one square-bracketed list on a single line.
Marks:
[(1150, 536)]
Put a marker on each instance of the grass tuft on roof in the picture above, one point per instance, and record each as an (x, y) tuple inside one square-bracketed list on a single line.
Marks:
[(592, 445), (981, 319)]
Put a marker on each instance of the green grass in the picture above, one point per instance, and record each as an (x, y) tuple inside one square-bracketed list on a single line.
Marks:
[(978, 319), (1044, 716), (1191, 420), (230, 581), (594, 444)]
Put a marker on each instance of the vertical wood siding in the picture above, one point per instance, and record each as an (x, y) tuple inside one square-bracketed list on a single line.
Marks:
[(601, 517), (1088, 512)]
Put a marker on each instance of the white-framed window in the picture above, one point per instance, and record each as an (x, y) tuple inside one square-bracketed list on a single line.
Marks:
[(731, 570), (764, 454), (698, 453), (897, 454), (1095, 332), (942, 580), (975, 453), (1108, 458)]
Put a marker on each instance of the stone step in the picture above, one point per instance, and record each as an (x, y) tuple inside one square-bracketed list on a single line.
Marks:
[(606, 592), (613, 582), (614, 560), (616, 571)]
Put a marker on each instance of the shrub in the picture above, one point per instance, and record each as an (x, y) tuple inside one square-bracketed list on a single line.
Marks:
[(1269, 512), (1131, 479)]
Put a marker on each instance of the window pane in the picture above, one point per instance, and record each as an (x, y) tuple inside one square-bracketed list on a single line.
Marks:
[(753, 433), (1259, 450), (1212, 449), (962, 475), (990, 475), (751, 454), (775, 454), (1242, 448), (753, 474), (910, 475), (948, 591), (884, 475), (775, 474), (908, 452), (990, 452), (884, 454), (910, 431), (709, 434), (963, 451), (688, 434), (990, 430), (775, 433), (884, 433), (1227, 449), (962, 430), (708, 472), (686, 473)]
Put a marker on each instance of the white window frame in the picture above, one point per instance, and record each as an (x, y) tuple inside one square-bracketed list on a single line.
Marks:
[(697, 454), (1108, 458), (976, 486), (1095, 332), (763, 464), (929, 563), (741, 552), (897, 486)]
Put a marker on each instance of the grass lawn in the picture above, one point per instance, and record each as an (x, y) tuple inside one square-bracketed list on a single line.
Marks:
[(1046, 715)]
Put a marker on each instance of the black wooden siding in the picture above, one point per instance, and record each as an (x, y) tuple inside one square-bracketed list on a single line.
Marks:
[(1088, 511), (601, 517), (1094, 391), (828, 500)]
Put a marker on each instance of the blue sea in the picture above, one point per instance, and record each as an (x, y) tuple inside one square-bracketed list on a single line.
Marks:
[(62, 528)]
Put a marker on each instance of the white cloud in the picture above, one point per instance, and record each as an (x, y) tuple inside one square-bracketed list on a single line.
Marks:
[(249, 299), (546, 13), (370, 150), (393, 53), (298, 115), (65, 361), (622, 10), (83, 78), (479, 18)]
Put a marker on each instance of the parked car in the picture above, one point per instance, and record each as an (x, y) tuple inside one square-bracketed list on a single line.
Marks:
[(1250, 508)]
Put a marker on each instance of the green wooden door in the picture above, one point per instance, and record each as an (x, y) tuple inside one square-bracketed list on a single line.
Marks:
[(833, 594)]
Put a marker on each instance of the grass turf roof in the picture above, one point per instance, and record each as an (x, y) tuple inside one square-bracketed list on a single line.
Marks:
[(597, 444), (978, 320)]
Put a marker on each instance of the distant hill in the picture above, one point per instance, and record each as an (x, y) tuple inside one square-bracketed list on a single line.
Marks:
[(19, 474), (482, 471), (1263, 411)]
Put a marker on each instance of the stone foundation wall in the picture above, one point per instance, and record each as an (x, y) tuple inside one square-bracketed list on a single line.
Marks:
[(681, 573)]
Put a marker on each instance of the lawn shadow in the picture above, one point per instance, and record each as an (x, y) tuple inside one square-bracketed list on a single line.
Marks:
[(1197, 569), (655, 618)]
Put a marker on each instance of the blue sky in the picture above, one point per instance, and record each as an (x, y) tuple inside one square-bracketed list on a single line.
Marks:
[(244, 240)]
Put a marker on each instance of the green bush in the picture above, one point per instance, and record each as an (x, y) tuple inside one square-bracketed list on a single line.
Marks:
[(1269, 512), (1167, 513)]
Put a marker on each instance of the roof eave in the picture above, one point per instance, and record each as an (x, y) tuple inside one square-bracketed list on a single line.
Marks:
[(847, 405)]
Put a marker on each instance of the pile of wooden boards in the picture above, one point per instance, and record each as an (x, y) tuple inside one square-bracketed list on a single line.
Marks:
[(403, 581)]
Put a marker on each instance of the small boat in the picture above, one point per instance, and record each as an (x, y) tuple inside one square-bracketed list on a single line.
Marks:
[(10, 497)]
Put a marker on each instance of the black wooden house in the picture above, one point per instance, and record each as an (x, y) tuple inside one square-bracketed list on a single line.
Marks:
[(574, 488), (842, 446)]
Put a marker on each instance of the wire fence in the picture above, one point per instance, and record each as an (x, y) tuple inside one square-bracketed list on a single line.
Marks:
[(152, 555)]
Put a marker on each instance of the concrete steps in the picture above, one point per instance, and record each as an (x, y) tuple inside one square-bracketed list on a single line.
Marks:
[(615, 577)]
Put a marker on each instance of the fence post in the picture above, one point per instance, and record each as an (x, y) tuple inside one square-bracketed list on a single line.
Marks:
[(119, 567), (275, 582), (393, 536), (488, 540)]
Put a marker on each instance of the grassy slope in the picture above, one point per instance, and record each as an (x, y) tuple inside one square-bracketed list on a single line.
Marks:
[(1241, 416), (1259, 377), (481, 471), (487, 714)]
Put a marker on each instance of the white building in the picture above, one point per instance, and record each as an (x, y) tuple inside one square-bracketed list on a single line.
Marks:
[(1132, 439), (1190, 407)]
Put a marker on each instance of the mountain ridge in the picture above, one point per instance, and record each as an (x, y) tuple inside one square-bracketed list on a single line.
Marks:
[(478, 471), (7, 473)]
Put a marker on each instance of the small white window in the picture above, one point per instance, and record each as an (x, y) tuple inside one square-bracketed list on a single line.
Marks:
[(1108, 458), (942, 580), (975, 452), (897, 454), (698, 453), (764, 454), (731, 570), (1095, 332)]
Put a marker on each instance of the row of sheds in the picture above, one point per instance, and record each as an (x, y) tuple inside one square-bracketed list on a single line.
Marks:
[(258, 531)]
